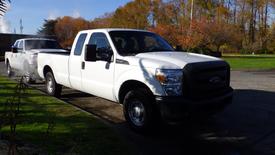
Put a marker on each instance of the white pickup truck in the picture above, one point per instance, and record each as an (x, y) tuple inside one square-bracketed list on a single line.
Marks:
[(141, 71), (23, 57)]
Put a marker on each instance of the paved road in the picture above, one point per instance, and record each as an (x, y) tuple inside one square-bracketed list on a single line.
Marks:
[(245, 127)]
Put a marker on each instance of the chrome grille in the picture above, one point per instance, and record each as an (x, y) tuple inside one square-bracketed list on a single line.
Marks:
[(205, 79)]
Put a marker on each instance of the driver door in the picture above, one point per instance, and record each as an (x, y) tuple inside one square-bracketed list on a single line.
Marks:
[(97, 77)]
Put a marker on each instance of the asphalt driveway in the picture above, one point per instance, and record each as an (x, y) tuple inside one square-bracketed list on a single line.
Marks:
[(245, 127)]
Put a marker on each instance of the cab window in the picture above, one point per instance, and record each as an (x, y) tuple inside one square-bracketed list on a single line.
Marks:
[(80, 43), (101, 42), (20, 46)]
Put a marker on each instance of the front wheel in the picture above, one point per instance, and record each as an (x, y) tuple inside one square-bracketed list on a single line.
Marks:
[(139, 110), (52, 88)]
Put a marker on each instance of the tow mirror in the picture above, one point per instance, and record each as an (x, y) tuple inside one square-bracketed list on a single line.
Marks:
[(90, 53), (14, 49)]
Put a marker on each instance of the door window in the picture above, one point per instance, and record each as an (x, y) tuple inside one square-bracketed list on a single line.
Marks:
[(20, 46), (103, 48), (100, 40), (16, 44)]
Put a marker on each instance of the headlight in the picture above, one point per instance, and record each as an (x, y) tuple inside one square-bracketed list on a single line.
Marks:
[(171, 80)]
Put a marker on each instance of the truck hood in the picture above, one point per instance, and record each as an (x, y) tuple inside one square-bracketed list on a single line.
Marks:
[(170, 60), (35, 51)]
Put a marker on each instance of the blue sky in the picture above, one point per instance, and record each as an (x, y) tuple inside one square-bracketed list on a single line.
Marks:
[(33, 12)]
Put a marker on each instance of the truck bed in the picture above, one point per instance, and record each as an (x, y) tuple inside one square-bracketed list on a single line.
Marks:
[(59, 62)]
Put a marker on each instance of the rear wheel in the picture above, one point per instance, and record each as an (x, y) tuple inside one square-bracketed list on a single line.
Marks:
[(52, 88), (9, 70), (139, 110)]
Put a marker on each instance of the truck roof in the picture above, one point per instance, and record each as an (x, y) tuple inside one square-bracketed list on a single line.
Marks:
[(112, 29)]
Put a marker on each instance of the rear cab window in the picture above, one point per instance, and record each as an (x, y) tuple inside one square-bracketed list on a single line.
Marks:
[(79, 44)]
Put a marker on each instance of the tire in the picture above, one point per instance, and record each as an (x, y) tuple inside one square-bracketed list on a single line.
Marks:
[(52, 88), (9, 70), (139, 111)]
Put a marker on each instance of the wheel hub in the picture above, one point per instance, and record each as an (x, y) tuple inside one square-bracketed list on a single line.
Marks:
[(8, 69), (137, 113), (50, 85)]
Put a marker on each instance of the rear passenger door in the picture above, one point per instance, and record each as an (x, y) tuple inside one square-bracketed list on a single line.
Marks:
[(75, 62)]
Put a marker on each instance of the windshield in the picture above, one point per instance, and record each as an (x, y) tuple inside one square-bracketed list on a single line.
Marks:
[(135, 42), (42, 44)]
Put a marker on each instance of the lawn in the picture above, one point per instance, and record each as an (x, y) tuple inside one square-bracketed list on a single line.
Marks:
[(251, 62), (73, 131)]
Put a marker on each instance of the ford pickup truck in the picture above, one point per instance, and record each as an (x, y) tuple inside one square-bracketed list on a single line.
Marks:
[(23, 56), (141, 71)]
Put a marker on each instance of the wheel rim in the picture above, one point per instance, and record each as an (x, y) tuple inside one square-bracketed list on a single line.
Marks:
[(137, 113), (8, 69), (50, 84)]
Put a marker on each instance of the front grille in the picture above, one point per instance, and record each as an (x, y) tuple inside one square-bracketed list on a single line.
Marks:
[(205, 79)]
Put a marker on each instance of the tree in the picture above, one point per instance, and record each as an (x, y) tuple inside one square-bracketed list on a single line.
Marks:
[(133, 15), (67, 27), (271, 39), (48, 28), (102, 22), (216, 24)]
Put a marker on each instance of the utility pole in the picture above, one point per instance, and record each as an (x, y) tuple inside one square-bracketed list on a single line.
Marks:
[(21, 26)]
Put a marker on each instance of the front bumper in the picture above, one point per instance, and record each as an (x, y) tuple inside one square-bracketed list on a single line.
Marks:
[(177, 108)]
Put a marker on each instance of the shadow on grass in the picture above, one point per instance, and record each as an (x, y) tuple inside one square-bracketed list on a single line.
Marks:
[(73, 132)]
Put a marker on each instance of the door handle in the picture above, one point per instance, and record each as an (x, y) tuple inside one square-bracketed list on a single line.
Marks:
[(83, 65)]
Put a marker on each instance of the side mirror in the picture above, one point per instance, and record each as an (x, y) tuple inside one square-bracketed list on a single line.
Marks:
[(105, 55), (14, 49), (90, 53), (178, 48)]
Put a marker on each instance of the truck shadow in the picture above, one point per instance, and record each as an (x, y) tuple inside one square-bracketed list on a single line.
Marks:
[(236, 130)]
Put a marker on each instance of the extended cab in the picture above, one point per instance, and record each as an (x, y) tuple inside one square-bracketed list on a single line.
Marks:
[(140, 70), (23, 57)]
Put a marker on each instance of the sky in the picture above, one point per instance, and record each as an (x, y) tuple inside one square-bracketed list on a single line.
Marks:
[(34, 12)]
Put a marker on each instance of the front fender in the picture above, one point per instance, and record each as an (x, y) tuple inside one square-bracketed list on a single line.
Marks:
[(141, 75)]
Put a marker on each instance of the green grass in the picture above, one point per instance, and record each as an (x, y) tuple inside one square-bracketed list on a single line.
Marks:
[(248, 55), (251, 62), (74, 132)]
